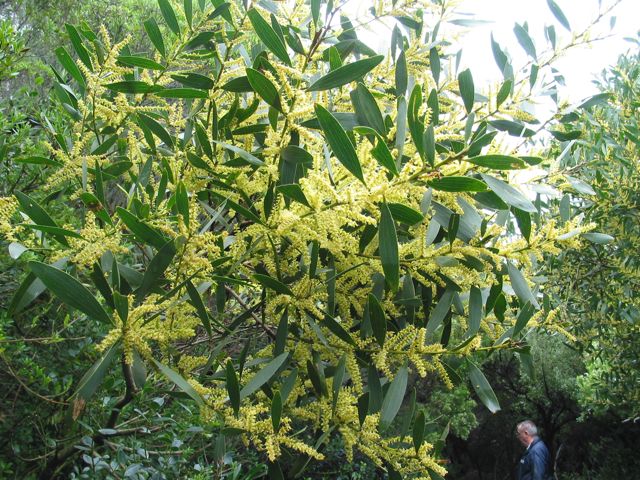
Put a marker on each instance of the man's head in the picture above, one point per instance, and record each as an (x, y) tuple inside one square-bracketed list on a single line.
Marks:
[(526, 432)]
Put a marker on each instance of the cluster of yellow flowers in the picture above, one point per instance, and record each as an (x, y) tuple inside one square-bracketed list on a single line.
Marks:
[(8, 208), (314, 247)]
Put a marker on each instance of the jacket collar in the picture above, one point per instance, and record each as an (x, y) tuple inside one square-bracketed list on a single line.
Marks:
[(535, 440)]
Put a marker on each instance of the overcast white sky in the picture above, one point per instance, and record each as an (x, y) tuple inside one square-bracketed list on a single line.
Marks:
[(579, 66)]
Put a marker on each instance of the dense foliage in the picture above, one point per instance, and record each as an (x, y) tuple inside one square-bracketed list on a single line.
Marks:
[(599, 285), (262, 233)]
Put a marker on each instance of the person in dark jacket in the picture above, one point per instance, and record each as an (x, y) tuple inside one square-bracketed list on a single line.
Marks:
[(534, 464)]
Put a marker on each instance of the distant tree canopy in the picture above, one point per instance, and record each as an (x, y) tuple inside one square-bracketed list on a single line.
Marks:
[(273, 230), (599, 285)]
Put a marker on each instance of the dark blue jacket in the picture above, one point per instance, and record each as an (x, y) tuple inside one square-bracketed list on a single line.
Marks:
[(534, 464)]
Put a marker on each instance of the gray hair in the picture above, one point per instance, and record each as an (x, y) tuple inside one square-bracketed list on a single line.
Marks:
[(529, 427)]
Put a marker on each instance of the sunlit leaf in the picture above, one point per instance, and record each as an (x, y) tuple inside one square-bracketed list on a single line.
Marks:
[(263, 375), (393, 398), (340, 144), (346, 74), (482, 388), (388, 246), (69, 290)]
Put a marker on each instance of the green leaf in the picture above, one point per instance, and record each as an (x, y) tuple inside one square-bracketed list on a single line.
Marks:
[(432, 102), (339, 142), (403, 214), (70, 66), (316, 375), (282, 333), (69, 290), (105, 146), (296, 161), (121, 305), (429, 145), (152, 29), (440, 311), (194, 80), (520, 286), (273, 284), (346, 74), (566, 136), (508, 194), (375, 390), (246, 156), (416, 127), (157, 129), (222, 8), (182, 202), (91, 380), (238, 85), (203, 141), (201, 310), (434, 63), (367, 110), (401, 75), (245, 212), (338, 378), (276, 411), (388, 247), (180, 382), (156, 268), (188, 11), (268, 36), (30, 289), (264, 375), (525, 40), (467, 89), (38, 214), (380, 151), (141, 62), (338, 330), (169, 16), (482, 388), (601, 238), (133, 87), (139, 370), (294, 192), (37, 160), (559, 14), (56, 231), (499, 56), (347, 121), (524, 222), (419, 425), (78, 46), (550, 33), (514, 129), (233, 388), (457, 184), (378, 320), (498, 162), (598, 99), (140, 229), (315, 11), (475, 311), (287, 384), (393, 398), (182, 93), (504, 92), (263, 87), (525, 315), (274, 471), (335, 61)]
